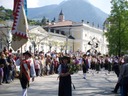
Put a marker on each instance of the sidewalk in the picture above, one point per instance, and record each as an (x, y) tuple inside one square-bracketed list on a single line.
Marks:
[(95, 85)]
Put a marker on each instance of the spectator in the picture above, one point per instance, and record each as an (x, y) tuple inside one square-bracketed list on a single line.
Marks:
[(37, 64), (3, 60), (1, 73), (43, 65), (123, 77)]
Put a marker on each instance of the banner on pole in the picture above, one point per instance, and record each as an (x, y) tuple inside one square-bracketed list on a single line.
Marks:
[(20, 25)]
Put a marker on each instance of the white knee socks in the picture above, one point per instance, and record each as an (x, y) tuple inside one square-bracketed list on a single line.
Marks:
[(24, 92), (84, 75)]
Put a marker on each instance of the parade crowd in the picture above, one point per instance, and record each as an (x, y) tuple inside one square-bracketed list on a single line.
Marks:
[(49, 63)]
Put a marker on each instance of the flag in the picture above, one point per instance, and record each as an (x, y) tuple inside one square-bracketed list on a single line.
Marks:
[(20, 25), (25, 7)]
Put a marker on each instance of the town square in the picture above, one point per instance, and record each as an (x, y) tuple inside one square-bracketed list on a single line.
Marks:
[(63, 48)]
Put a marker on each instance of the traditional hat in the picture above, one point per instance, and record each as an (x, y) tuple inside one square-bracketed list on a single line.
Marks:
[(65, 57), (27, 53)]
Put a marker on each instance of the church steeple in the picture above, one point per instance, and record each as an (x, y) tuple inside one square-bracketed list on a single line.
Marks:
[(61, 16), (61, 13)]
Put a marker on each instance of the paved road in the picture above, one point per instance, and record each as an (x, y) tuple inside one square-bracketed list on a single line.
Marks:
[(95, 85)]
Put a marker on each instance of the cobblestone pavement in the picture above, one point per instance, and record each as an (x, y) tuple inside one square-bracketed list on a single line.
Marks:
[(94, 85)]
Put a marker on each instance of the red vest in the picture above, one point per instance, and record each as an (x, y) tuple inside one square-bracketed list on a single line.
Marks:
[(25, 68)]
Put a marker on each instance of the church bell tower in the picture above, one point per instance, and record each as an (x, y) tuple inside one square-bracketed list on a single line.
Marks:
[(61, 16)]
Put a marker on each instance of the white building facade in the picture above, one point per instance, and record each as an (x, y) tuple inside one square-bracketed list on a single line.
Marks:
[(85, 38)]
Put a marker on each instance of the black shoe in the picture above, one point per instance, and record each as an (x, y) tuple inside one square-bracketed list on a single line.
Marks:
[(114, 92), (7, 82)]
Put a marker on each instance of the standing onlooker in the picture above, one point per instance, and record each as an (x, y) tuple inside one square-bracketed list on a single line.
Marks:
[(48, 64), (55, 64), (80, 62), (3, 61), (12, 67), (37, 64), (116, 69), (116, 66), (1, 73), (43, 65), (123, 77), (18, 54)]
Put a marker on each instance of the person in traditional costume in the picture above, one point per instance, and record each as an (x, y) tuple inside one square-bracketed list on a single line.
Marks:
[(65, 88), (97, 64), (85, 65), (27, 70)]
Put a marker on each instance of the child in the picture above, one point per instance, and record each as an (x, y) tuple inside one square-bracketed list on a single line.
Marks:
[(1, 73)]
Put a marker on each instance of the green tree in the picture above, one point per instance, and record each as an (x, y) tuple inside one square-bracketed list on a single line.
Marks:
[(44, 21), (5, 14), (34, 22), (117, 30)]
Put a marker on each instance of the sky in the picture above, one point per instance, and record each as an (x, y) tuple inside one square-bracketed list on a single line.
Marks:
[(104, 5)]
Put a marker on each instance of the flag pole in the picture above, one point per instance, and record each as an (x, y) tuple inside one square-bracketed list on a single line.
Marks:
[(21, 50)]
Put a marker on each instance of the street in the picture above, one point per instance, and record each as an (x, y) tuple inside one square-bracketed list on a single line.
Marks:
[(95, 85)]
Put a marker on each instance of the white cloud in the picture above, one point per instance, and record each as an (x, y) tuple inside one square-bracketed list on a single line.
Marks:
[(49, 2), (33, 3), (102, 4), (30, 3), (7, 3)]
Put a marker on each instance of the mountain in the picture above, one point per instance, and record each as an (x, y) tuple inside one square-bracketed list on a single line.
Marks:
[(75, 10), (38, 13)]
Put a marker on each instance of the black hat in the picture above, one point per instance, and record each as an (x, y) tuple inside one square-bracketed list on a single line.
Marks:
[(27, 53), (65, 57)]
